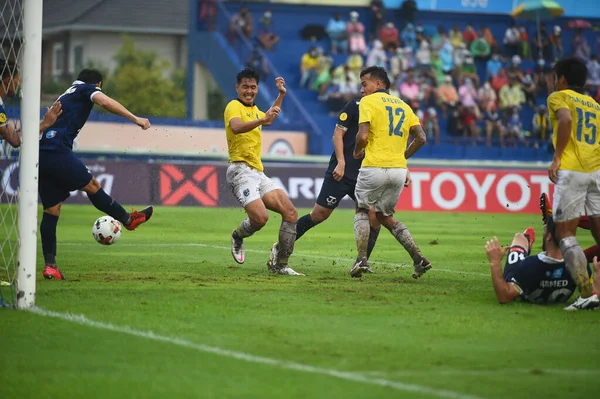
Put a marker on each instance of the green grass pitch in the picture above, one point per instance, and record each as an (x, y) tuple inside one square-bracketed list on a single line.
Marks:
[(169, 314)]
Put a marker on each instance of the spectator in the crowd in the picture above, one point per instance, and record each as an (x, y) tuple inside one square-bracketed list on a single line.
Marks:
[(309, 66), (493, 65), (469, 122), (541, 44), (512, 40), (208, 14), (514, 127), (409, 36), (423, 57), (456, 37), (524, 42), (426, 85), (447, 95), (398, 63), (514, 69), (597, 41), (487, 97), (430, 124), (407, 11), (377, 55), (377, 15), (556, 42), (493, 124), (440, 39), (446, 58), (500, 80), (323, 80), (356, 34), (469, 35), (409, 56), (529, 88), (512, 96), (355, 63), (420, 32), (338, 34), (468, 70), (410, 89), (389, 35), (454, 124), (460, 53), (581, 48), (244, 21), (266, 36), (542, 76), (540, 125), (489, 38), (325, 61), (258, 62), (480, 49), (468, 95), (594, 73)]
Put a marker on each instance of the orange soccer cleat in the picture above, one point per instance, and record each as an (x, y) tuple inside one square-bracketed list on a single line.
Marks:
[(51, 272), (139, 217)]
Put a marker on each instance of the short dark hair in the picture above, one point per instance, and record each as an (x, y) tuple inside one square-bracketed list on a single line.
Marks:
[(551, 228), (378, 73), (90, 76), (247, 73), (573, 69), (8, 68)]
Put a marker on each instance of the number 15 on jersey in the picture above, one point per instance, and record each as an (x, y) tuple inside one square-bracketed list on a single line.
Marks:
[(396, 116)]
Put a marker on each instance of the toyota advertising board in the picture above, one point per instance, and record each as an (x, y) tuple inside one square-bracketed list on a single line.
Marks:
[(204, 184)]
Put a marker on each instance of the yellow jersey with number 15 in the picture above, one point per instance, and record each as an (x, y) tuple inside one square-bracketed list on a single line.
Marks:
[(244, 147), (390, 121), (582, 153)]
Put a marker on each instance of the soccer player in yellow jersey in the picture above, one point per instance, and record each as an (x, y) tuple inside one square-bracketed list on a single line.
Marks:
[(384, 124), (575, 169), (252, 188)]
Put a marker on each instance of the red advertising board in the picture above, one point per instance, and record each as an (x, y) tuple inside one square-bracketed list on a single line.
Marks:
[(475, 190)]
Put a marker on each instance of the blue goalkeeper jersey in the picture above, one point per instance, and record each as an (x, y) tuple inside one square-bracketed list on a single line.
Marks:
[(77, 105)]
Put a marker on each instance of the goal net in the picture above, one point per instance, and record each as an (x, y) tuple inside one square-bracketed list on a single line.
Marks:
[(20, 69)]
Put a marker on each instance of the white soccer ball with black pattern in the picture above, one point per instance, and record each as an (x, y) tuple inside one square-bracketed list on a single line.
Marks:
[(107, 230)]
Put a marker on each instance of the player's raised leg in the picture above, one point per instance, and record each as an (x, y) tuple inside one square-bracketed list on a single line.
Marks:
[(277, 201)]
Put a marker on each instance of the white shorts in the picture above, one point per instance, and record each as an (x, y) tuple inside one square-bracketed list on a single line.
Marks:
[(576, 194), (380, 187), (248, 184)]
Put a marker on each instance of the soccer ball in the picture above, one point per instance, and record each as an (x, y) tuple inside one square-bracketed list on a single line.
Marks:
[(107, 230)]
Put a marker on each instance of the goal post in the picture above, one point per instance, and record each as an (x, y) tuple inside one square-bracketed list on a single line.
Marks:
[(29, 156)]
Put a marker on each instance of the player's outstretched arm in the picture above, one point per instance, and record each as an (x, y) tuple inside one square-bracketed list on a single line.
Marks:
[(280, 83), (361, 139), (563, 133), (239, 127), (116, 108), (505, 292), (52, 114), (420, 138)]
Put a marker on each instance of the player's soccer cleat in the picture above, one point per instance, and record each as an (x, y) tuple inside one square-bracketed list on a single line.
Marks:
[(139, 217), (237, 248), (530, 235), (273, 256), (51, 272), (359, 268), (585, 303), (545, 207), (285, 270), (421, 268)]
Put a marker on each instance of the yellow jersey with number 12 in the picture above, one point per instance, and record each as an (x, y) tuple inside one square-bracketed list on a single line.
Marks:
[(582, 153), (390, 121), (244, 147)]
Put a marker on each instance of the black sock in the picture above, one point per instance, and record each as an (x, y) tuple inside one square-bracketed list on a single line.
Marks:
[(373, 234), (105, 203), (48, 233), (304, 224)]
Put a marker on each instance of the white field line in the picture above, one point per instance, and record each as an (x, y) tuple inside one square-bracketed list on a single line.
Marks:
[(282, 364), (408, 373), (337, 259)]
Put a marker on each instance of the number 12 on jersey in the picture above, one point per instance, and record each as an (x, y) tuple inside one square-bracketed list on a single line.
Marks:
[(396, 120)]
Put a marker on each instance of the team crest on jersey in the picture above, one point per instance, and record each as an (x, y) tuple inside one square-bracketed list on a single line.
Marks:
[(246, 192), (558, 273), (343, 116), (51, 134), (248, 114), (3, 118)]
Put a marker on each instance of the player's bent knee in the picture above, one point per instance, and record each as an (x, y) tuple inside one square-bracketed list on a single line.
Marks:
[(54, 210), (290, 214), (92, 187), (259, 220)]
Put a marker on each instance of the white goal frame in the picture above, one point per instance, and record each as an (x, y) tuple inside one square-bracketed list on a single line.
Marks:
[(31, 70)]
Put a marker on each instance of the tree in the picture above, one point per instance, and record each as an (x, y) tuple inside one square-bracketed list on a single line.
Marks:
[(139, 83)]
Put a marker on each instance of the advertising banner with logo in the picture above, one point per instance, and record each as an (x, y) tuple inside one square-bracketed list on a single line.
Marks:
[(204, 184)]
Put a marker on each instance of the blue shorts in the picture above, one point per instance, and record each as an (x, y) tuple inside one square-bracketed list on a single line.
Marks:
[(333, 191), (59, 174)]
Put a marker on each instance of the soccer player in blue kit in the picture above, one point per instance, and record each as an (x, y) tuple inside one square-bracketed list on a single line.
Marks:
[(61, 172), (542, 278)]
